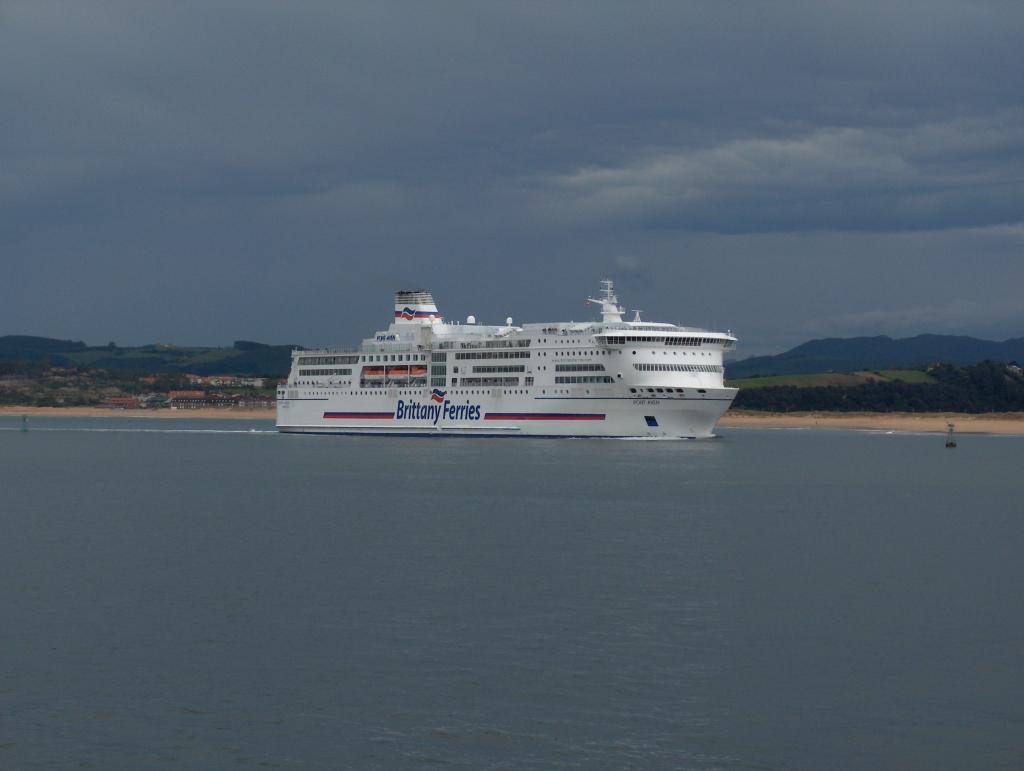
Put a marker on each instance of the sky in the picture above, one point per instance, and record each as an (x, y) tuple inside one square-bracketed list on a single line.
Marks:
[(197, 172)]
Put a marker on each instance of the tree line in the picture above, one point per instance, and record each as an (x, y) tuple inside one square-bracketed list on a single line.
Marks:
[(985, 387)]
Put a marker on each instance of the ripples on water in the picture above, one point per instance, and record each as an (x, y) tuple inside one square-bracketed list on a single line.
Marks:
[(205, 594)]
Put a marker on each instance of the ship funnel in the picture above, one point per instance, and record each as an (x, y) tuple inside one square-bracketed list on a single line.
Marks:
[(415, 306)]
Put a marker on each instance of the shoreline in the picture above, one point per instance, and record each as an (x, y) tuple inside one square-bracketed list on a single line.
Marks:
[(225, 413), (1006, 423)]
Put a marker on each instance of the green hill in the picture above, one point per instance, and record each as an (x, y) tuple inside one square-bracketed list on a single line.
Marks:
[(31, 348), (244, 358), (985, 387)]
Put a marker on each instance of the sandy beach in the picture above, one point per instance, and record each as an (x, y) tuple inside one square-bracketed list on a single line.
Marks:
[(106, 412), (988, 423)]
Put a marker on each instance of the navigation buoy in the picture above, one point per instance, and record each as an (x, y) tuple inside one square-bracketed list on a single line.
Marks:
[(950, 441), (24, 422)]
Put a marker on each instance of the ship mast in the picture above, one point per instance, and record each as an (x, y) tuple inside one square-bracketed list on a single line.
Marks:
[(611, 311)]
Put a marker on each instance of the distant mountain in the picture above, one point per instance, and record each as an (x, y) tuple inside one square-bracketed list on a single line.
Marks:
[(868, 353), (244, 358)]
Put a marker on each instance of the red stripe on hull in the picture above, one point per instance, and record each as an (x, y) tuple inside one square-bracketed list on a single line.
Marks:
[(540, 416), (359, 415)]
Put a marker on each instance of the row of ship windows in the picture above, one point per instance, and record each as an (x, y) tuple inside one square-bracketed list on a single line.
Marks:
[(451, 393), (610, 339), (321, 360), (395, 357), (324, 372), (443, 357), (379, 392), (491, 381), (460, 392), (584, 379), (622, 340), (484, 370), (440, 369), (390, 392), (485, 344), (663, 390), (495, 369), (470, 350), (438, 378), (493, 355), (679, 368)]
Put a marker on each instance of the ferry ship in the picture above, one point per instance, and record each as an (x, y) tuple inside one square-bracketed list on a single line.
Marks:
[(424, 376)]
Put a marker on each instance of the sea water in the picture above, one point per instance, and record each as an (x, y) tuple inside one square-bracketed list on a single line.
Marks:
[(210, 594)]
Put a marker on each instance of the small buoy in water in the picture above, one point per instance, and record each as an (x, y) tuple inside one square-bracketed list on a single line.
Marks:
[(24, 422), (950, 441)]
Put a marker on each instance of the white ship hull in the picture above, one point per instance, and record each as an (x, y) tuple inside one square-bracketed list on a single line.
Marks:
[(423, 376), (514, 415)]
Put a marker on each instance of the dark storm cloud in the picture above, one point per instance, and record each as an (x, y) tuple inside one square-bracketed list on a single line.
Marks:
[(190, 170), (960, 173)]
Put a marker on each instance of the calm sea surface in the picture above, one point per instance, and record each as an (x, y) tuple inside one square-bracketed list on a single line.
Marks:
[(212, 595)]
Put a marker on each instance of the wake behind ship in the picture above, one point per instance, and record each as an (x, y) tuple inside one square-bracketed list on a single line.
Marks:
[(424, 376)]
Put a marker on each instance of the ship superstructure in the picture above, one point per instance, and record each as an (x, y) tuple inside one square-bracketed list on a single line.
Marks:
[(426, 376)]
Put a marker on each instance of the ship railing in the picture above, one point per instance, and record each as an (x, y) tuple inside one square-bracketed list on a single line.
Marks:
[(351, 350)]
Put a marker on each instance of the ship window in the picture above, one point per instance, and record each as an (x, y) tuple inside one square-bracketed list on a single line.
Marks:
[(651, 420), (632, 390)]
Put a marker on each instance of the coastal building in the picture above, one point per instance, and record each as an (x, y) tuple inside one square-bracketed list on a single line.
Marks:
[(193, 400), (186, 400)]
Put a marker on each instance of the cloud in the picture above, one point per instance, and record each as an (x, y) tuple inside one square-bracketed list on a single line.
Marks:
[(632, 272), (958, 173), (221, 159)]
